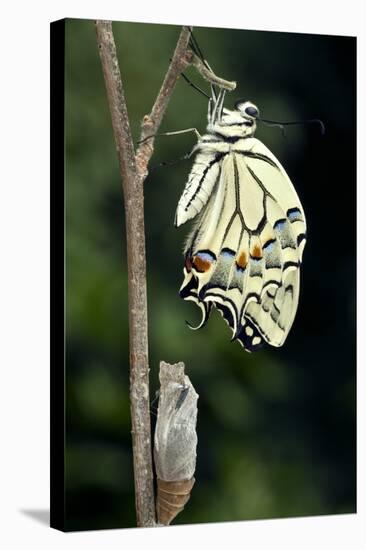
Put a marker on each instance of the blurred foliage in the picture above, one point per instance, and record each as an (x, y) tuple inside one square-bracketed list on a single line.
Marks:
[(276, 429)]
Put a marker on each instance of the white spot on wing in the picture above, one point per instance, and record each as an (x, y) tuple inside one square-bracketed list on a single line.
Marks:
[(249, 331)]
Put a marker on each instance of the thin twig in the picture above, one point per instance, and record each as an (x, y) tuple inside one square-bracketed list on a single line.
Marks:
[(210, 76), (150, 124)]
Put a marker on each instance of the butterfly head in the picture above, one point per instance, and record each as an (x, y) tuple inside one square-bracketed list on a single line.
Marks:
[(240, 122), (247, 109)]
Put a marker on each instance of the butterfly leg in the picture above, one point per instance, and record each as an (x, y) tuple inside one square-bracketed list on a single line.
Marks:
[(209, 111), (172, 134), (218, 106), (177, 132)]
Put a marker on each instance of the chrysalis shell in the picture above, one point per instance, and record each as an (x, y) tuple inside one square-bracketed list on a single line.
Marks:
[(175, 441), (172, 497)]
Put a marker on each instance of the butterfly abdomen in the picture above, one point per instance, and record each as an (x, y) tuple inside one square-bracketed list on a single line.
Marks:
[(204, 174)]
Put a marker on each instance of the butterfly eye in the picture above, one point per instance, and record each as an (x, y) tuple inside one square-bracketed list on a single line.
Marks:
[(251, 111)]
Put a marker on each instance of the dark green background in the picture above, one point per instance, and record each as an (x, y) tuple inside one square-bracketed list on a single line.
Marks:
[(276, 429)]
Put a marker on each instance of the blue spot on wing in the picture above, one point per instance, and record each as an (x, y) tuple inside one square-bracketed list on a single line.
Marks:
[(279, 225), (294, 214), (227, 253), (206, 256)]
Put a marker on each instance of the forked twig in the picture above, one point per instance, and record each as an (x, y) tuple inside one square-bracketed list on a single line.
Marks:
[(133, 171)]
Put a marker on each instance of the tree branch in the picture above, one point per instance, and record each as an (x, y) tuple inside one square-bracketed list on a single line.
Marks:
[(133, 172)]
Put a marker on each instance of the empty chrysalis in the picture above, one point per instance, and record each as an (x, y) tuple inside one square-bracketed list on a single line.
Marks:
[(244, 252), (175, 441)]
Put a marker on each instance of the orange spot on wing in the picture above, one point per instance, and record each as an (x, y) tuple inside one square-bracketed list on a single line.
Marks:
[(257, 251), (201, 264), (242, 260)]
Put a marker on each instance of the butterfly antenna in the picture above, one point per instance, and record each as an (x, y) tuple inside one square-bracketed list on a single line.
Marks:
[(197, 50), (202, 92), (282, 124), (274, 125)]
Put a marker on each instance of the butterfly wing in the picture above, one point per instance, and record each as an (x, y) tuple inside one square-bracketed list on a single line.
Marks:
[(244, 252), (264, 166)]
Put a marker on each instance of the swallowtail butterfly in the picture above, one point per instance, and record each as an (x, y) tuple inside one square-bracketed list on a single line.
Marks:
[(244, 252)]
